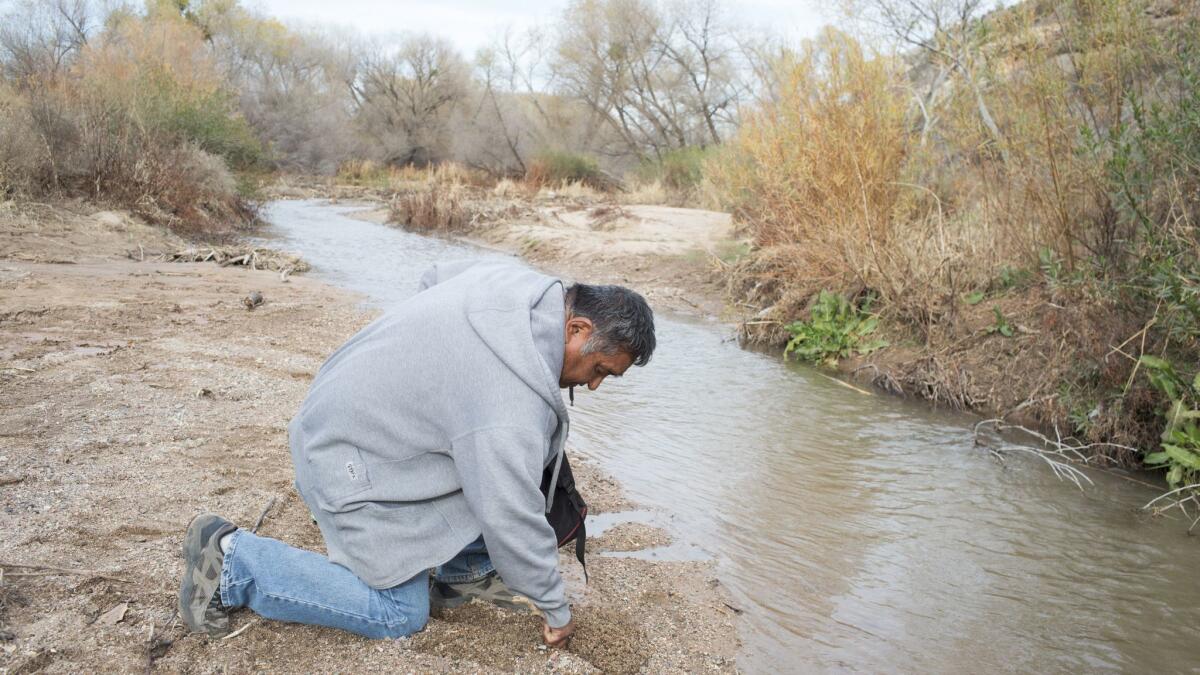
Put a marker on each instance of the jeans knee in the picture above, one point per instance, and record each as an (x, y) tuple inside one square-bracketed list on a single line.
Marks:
[(390, 631), (401, 616)]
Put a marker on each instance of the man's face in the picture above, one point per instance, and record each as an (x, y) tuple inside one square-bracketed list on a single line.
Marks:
[(588, 369)]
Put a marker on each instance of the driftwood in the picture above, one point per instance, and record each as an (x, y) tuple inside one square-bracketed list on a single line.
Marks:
[(256, 258)]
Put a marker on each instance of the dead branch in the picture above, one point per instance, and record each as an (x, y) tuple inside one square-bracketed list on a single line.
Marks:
[(240, 630), (65, 570), (157, 645), (262, 516), (1179, 502), (1057, 455)]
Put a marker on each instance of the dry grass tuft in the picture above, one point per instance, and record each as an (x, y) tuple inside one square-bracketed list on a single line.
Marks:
[(653, 192), (570, 190), (437, 208), (371, 174), (507, 188)]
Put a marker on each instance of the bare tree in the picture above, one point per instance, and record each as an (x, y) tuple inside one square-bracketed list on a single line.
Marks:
[(291, 85), (517, 116), (948, 33), (39, 37), (496, 112), (405, 97), (660, 77), (699, 44)]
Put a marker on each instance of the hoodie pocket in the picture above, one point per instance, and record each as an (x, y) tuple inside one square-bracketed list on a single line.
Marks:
[(338, 473)]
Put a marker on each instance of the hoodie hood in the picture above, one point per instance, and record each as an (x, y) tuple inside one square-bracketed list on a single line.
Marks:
[(535, 311)]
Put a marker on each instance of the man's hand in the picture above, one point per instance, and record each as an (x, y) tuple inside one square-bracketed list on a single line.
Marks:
[(558, 637)]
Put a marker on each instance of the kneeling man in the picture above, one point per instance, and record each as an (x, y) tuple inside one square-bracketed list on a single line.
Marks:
[(420, 447)]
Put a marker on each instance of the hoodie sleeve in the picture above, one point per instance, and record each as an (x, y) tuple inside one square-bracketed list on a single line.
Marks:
[(500, 470)]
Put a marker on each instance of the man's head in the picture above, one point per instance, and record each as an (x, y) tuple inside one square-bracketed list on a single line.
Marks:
[(609, 328)]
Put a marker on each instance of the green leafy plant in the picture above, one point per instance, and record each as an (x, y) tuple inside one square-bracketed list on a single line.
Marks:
[(1002, 325), (836, 329), (974, 297), (1180, 453), (1013, 277), (1051, 264)]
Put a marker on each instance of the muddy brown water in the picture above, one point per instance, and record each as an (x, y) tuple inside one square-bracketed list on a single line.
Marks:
[(856, 533)]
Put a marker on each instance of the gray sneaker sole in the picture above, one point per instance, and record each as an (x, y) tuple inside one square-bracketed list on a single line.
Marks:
[(202, 577), (489, 589)]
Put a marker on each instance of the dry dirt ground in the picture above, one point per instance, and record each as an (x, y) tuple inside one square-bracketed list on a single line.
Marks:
[(134, 394)]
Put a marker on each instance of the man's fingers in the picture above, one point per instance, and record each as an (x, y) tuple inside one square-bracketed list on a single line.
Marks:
[(557, 637)]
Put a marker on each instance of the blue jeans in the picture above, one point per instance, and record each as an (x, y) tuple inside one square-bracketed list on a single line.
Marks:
[(280, 582)]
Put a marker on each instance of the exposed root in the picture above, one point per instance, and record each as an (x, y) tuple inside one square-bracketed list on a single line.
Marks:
[(604, 217), (882, 379)]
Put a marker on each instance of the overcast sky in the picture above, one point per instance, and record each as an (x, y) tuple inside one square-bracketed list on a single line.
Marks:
[(471, 24)]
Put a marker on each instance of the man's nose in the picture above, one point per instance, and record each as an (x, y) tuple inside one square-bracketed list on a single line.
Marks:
[(595, 384)]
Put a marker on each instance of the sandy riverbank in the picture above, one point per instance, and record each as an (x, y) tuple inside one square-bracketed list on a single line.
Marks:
[(134, 394)]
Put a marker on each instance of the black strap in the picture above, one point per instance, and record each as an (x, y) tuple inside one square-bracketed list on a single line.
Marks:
[(580, 547)]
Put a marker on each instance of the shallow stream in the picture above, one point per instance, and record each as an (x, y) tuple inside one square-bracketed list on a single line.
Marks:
[(857, 532)]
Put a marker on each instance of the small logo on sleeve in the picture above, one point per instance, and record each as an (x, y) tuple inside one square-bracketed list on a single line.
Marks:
[(352, 470)]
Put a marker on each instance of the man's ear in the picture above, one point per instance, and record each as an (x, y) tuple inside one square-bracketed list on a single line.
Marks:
[(578, 325)]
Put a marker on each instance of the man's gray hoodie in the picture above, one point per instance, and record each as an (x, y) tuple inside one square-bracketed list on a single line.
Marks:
[(433, 425)]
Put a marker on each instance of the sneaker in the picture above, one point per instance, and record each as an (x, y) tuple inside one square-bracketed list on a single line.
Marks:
[(199, 592), (490, 588)]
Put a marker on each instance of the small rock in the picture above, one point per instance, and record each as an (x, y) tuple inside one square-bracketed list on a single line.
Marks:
[(253, 300), (114, 615)]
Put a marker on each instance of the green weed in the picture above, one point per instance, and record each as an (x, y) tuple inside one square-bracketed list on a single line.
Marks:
[(974, 297), (1180, 453), (1001, 325), (835, 330), (1051, 265), (1011, 278)]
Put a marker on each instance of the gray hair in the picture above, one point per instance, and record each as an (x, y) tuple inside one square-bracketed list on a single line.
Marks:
[(621, 320)]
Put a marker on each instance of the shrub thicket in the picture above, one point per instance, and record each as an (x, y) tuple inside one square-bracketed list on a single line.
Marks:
[(555, 168), (680, 170), (138, 117)]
